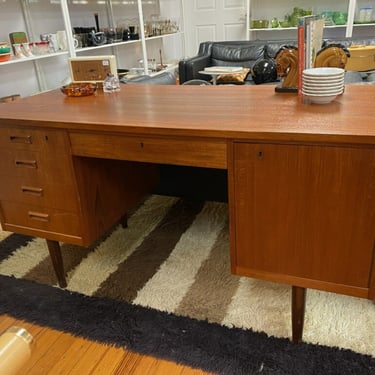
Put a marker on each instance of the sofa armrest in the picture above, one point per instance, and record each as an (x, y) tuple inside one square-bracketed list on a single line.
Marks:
[(189, 68)]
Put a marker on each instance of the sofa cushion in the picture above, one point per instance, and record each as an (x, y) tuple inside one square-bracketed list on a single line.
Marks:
[(244, 56)]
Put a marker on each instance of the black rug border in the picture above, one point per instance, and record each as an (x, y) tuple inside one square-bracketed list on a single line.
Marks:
[(12, 242), (199, 344)]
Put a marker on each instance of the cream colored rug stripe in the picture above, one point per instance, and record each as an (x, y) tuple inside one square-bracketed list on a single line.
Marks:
[(262, 306), (25, 258), (351, 321), (166, 289), (118, 246)]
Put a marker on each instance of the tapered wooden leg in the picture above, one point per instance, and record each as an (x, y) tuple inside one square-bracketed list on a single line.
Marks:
[(124, 221), (57, 261), (298, 312)]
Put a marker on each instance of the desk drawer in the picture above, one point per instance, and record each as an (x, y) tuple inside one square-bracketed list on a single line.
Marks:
[(33, 139), (179, 151), (36, 217), (34, 191), (34, 164)]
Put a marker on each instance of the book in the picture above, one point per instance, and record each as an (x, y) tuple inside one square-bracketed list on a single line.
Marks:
[(313, 39), (301, 52), (309, 40)]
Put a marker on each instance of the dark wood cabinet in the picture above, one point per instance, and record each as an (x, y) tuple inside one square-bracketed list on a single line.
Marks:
[(303, 215)]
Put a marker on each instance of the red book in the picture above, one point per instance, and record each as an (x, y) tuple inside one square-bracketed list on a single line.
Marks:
[(301, 54)]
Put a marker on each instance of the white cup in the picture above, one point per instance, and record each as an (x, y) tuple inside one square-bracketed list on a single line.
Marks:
[(62, 41), (52, 38)]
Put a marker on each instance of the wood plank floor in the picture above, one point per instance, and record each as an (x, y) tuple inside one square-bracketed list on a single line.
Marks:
[(57, 353)]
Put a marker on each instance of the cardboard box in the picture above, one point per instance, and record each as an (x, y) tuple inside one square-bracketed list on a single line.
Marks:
[(362, 58)]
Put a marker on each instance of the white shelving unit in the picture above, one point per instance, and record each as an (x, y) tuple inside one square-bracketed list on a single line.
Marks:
[(28, 76), (355, 28), (260, 9)]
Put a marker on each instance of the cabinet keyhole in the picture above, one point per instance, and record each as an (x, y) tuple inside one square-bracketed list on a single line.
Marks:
[(260, 155)]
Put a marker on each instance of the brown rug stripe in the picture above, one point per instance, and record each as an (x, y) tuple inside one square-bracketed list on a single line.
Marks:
[(140, 266), (72, 256), (213, 288)]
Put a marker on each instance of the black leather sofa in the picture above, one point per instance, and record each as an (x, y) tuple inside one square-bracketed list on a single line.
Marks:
[(228, 53), (244, 54)]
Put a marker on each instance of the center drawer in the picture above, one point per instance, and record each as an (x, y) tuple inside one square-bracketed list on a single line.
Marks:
[(209, 153)]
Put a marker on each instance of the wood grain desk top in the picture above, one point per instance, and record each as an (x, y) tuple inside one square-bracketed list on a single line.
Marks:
[(241, 112)]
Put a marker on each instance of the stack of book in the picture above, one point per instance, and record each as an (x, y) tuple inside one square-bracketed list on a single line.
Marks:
[(310, 38)]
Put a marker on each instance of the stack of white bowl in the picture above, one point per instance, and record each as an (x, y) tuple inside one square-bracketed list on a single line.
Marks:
[(322, 85)]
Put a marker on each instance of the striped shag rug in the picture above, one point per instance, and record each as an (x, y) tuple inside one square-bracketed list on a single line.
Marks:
[(164, 287)]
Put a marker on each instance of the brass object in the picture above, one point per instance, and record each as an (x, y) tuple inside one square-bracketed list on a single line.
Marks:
[(333, 55), (287, 68)]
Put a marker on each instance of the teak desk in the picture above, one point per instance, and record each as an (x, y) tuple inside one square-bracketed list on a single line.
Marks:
[(301, 178)]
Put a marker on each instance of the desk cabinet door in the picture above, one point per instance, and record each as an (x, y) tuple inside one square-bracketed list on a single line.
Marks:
[(304, 215)]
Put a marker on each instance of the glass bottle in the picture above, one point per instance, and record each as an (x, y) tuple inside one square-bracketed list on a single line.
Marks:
[(111, 83), (15, 349)]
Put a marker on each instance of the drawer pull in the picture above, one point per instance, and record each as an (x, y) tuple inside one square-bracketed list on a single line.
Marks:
[(38, 216), (32, 190), (27, 163), (21, 139)]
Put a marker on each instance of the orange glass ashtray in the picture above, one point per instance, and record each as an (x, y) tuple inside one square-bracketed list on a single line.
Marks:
[(79, 89)]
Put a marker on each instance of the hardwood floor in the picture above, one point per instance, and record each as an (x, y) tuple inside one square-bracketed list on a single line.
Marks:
[(57, 353)]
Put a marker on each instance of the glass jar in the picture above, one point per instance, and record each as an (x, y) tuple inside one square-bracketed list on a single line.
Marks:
[(15, 349), (111, 83)]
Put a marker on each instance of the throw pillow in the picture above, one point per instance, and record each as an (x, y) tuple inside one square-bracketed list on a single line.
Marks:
[(234, 79)]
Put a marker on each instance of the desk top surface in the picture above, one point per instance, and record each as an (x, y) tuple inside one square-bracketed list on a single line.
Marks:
[(240, 112)]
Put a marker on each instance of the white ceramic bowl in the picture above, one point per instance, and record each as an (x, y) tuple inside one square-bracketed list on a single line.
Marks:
[(323, 83), (319, 86), (322, 93), (322, 90), (314, 94), (319, 99), (323, 72)]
